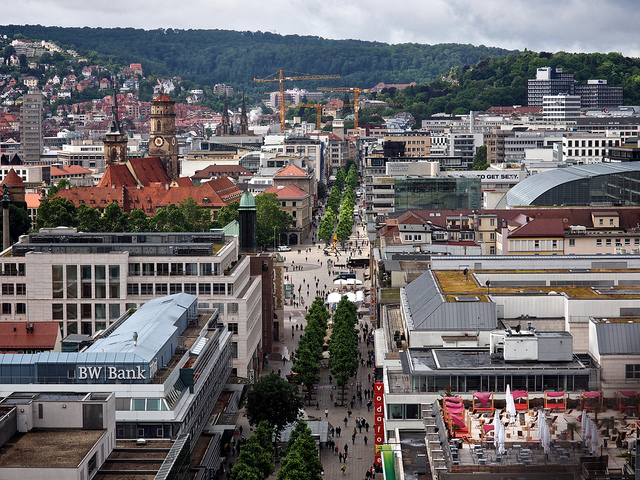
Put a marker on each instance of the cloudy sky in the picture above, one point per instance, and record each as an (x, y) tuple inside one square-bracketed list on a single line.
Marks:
[(549, 25)]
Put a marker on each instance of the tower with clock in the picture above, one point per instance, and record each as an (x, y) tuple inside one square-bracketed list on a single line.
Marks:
[(162, 140)]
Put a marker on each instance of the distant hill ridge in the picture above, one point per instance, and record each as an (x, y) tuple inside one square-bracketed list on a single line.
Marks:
[(221, 56)]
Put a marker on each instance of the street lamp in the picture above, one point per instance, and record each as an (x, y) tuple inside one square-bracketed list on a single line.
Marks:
[(274, 238)]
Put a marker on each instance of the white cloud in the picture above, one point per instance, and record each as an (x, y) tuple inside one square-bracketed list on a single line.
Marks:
[(550, 25)]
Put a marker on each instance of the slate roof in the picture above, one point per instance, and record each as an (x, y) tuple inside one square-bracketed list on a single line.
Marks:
[(427, 309), (618, 338)]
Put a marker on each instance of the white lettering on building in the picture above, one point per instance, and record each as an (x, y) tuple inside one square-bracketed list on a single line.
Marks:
[(112, 373)]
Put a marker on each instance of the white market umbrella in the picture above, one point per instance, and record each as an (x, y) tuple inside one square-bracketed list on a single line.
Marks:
[(540, 420), (333, 297), (496, 427), (586, 433), (351, 296), (501, 438), (354, 281), (546, 436), (583, 425), (342, 281), (511, 405)]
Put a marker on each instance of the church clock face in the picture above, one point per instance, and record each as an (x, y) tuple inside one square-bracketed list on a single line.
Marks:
[(159, 141)]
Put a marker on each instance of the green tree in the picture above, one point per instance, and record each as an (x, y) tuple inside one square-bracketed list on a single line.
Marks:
[(343, 349), (62, 184), (56, 212), (114, 219), (228, 213), (168, 219), (138, 221), (305, 364), (327, 224), (269, 216), (256, 455), (480, 159), (321, 190), (19, 221), (301, 456), (274, 401), (196, 218), (88, 219)]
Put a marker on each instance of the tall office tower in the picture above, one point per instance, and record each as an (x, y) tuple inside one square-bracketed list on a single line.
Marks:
[(31, 138), (549, 81)]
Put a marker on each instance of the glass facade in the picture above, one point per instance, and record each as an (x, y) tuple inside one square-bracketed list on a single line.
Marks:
[(437, 193), (618, 189)]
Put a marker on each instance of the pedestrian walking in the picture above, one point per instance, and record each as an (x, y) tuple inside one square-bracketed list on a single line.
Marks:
[(340, 457), (365, 439), (345, 421), (344, 469), (353, 439), (326, 413)]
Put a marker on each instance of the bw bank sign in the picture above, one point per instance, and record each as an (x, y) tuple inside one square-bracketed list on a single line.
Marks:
[(111, 373)]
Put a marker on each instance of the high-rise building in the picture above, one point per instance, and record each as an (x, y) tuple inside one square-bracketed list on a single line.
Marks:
[(560, 108), (31, 138), (549, 81), (597, 94)]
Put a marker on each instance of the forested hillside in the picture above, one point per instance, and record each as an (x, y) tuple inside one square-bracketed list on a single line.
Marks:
[(207, 57)]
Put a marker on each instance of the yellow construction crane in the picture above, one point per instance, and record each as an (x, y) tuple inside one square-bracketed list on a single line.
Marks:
[(356, 91), (319, 109), (280, 77)]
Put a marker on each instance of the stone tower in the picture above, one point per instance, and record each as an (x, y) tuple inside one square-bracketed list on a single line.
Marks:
[(248, 220), (162, 141), (115, 142), (243, 127), (226, 125)]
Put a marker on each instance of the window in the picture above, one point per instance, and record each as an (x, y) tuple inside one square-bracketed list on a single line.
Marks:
[(101, 311), (230, 289), (492, 236), (554, 244), (632, 371), (146, 289), (572, 242), (138, 404), (57, 311), (7, 289), (85, 280), (492, 222), (627, 241), (204, 289), (232, 307), (601, 221), (114, 281), (72, 311), (133, 289), (611, 221), (21, 308), (205, 269), (148, 269), (598, 242), (177, 269), (191, 269), (190, 288), (6, 309), (72, 281), (114, 311), (101, 281), (175, 288), (219, 288), (233, 328), (85, 311), (234, 349), (608, 242), (161, 289), (58, 280), (134, 269), (162, 269)]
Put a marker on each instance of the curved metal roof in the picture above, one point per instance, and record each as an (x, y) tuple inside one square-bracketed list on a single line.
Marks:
[(527, 191)]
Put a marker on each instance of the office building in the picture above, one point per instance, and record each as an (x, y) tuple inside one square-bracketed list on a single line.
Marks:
[(31, 135)]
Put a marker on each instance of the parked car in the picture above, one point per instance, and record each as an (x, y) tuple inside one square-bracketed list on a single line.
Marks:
[(284, 248)]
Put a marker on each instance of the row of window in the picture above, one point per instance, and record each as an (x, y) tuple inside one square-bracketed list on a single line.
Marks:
[(85, 311), (92, 281), (592, 143), (14, 289), (20, 308), (174, 268), (173, 288), (632, 371), (608, 242)]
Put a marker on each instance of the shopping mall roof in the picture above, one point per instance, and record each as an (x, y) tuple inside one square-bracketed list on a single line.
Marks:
[(527, 191)]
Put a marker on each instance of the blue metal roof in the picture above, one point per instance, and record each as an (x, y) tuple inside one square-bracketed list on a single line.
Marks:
[(527, 191)]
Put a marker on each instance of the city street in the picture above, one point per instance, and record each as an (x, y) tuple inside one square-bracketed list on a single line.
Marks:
[(309, 273)]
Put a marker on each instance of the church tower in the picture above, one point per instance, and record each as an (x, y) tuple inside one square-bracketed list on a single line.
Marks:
[(162, 141), (243, 128), (115, 142), (226, 125)]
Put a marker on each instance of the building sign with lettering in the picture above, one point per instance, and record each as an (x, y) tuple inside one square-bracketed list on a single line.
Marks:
[(111, 373)]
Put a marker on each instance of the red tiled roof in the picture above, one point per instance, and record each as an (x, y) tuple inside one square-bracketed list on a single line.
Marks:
[(117, 175), (63, 170), (287, 191), (203, 196), (32, 199), (15, 336), (12, 179), (222, 171), (149, 170), (162, 98), (540, 227), (184, 182), (291, 170), (224, 188)]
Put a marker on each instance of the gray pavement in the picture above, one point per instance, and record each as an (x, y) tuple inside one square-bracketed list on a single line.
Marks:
[(360, 456)]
